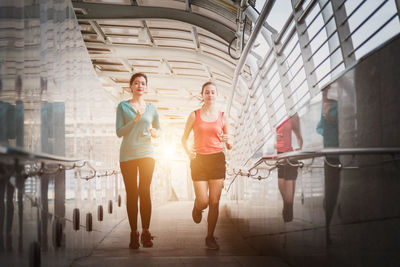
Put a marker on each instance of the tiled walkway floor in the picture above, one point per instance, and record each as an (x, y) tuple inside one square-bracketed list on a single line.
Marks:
[(178, 242)]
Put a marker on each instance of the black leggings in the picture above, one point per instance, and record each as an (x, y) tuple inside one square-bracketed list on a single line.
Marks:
[(129, 171)]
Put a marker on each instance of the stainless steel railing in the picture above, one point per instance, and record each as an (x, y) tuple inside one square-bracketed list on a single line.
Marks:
[(318, 41), (40, 181)]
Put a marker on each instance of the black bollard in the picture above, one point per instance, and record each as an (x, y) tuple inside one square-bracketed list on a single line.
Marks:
[(100, 213), (76, 219), (34, 255), (89, 225), (57, 233), (110, 206), (119, 200)]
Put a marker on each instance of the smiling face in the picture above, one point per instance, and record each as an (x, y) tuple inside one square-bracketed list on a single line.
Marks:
[(138, 86), (209, 93)]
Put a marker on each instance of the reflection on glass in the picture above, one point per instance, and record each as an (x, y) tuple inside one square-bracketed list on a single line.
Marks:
[(287, 174), (328, 128), (6, 208), (11, 133)]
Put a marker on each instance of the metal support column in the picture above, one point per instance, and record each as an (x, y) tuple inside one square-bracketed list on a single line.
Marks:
[(264, 13), (343, 30), (304, 48)]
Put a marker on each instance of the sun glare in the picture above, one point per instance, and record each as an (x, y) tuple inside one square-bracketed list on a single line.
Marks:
[(168, 151)]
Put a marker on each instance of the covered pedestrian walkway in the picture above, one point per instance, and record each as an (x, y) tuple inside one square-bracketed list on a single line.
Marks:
[(178, 242), (310, 90)]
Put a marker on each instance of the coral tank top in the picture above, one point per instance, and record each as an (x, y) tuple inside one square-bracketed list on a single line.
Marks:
[(207, 134), (285, 131)]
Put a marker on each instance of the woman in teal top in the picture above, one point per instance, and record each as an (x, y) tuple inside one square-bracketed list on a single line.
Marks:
[(137, 122)]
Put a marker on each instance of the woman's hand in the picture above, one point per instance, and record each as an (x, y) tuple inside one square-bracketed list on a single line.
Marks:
[(225, 139), (138, 117), (153, 132), (192, 155)]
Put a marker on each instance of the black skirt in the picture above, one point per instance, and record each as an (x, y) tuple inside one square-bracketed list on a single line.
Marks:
[(208, 167)]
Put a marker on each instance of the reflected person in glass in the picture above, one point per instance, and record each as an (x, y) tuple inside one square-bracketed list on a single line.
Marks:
[(207, 160), (328, 128), (287, 174), (137, 122)]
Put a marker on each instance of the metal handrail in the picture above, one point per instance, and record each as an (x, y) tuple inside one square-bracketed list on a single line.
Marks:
[(61, 163), (326, 152), (27, 155), (309, 13)]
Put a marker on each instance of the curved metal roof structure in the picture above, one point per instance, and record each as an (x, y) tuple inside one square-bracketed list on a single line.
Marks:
[(313, 84), (178, 44), (289, 51)]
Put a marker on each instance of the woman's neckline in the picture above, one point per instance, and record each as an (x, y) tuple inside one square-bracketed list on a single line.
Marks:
[(131, 105), (206, 120)]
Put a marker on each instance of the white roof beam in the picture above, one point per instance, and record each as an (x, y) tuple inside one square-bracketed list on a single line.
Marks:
[(184, 81), (195, 38), (128, 51), (100, 34), (193, 28), (209, 73), (149, 36), (171, 71), (126, 65), (188, 6)]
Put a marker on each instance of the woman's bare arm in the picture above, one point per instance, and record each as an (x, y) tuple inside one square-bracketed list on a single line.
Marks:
[(226, 138), (186, 133), (297, 130)]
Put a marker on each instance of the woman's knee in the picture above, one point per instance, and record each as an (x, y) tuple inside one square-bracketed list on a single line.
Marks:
[(131, 200), (214, 203), (144, 191), (202, 203)]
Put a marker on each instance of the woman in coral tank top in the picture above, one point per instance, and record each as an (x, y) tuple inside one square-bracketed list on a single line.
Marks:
[(207, 161), (287, 174)]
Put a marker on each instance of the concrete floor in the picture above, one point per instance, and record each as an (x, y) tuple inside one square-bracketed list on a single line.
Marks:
[(178, 242)]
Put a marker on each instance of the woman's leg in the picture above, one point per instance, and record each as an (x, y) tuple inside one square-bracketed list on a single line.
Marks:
[(200, 190), (201, 201), (214, 196), (146, 169), (290, 186), (129, 173), (281, 186), (287, 189)]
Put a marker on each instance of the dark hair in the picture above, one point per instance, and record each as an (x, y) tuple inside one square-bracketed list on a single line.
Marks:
[(135, 75), (205, 84)]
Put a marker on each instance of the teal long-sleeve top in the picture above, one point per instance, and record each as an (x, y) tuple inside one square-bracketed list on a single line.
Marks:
[(136, 138)]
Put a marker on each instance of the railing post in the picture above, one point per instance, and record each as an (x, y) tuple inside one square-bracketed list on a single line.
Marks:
[(59, 194), (20, 183), (43, 201)]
